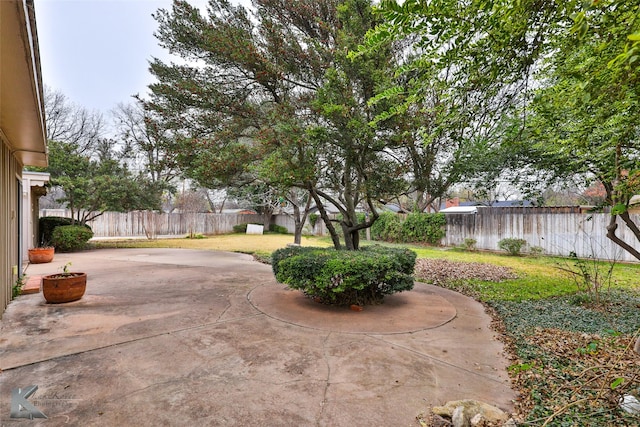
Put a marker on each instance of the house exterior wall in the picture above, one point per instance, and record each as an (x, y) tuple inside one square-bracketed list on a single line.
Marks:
[(9, 220), (33, 186), (22, 128)]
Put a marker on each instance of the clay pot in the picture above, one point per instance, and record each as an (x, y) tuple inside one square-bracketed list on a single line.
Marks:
[(64, 287), (41, 255)]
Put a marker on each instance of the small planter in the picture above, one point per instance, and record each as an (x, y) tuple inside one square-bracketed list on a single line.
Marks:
[(41, 255), (64, 287)]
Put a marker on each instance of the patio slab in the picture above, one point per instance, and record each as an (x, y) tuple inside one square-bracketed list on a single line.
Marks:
[(184, 337)]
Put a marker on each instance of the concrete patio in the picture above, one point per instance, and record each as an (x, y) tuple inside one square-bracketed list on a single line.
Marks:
[(182, 337)]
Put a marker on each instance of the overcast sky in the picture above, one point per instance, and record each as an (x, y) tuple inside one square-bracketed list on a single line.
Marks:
[(96, 52)]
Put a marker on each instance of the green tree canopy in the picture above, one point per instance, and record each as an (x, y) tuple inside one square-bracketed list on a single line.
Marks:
[(584, 117), (89, 168), (95, 185), (270, 95), (549, 90)]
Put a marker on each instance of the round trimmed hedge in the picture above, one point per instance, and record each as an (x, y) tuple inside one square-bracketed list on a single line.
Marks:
[(69, 238), (47, 224), (345, 277)]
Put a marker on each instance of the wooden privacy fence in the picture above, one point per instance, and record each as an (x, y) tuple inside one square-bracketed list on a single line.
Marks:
[(146, 223), (556, 231)]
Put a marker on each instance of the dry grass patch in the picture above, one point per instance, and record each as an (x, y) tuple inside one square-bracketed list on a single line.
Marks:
[(245, 243)]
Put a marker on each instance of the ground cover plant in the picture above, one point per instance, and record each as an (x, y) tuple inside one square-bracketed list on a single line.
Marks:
[(571, 350), (571, 359)]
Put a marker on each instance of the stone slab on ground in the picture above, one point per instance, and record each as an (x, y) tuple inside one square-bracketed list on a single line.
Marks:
[(32, 286)]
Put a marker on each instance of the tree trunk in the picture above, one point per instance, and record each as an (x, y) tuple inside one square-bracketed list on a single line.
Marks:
[(325, 218), (611, 233), (266, 217), (351, 238), (298, 224)]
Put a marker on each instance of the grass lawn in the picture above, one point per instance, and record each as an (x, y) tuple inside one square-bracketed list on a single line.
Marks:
[(572, 358), (260, 245)]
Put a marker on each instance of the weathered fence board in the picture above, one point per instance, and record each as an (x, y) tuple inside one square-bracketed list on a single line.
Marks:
[(144, 223), (141, 223)]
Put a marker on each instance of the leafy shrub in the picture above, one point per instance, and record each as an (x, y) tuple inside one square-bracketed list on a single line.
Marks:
[(470, 244), (240, 228), (536, 250), (345, 277), (405, 258), (278, 229), (47, 224), (423, 227), (313, 219), (511, 245), (195, 236), (387, 227), (68, 238), (288, 252)]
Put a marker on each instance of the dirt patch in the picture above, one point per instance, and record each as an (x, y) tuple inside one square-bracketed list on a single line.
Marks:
[(440, 271)]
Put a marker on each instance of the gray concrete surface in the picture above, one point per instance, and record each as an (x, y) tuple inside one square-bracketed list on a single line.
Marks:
[(169, 337)]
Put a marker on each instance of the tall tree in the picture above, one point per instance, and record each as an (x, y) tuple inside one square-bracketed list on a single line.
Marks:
[(464, 67), (150, 142), (71, 123), (582, 122), (257, 75), (94, 185), (585, 115), (88, 167)]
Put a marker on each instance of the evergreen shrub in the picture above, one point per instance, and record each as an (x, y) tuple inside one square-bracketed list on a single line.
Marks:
[(345, 277), (511, 245), (423, 228), (387, 227), (69, 238), (47, 224), (240, 228), (274, 228)]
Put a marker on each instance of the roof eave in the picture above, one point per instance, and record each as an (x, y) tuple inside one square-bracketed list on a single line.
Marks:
[(21, 92)]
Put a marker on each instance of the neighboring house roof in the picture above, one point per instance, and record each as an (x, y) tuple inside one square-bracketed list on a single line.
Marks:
[(239, 211), (329, 207), (392, 207), (22, 100), (495, 204), (510, 204), (460, 209)]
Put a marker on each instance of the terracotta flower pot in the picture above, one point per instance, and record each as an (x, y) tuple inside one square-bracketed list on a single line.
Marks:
[(64, 287), (41, 255)]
